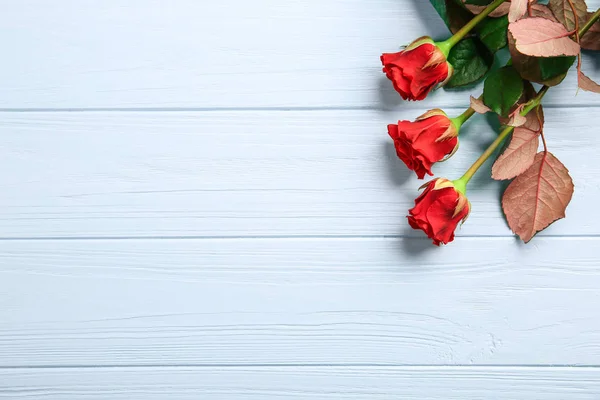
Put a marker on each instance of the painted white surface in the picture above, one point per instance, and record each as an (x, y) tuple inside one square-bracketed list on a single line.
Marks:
[(216, 383), (215, 54), (200, 200), (485, 301), (251, 173)]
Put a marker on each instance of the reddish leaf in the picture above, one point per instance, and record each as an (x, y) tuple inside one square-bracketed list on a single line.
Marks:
[(591, 40), (564, 13), (520, 153), (542, 38), (538, 197), (478, 106), (587, 83), (498, 12), (542, 11), (518, 8), (515, 117)]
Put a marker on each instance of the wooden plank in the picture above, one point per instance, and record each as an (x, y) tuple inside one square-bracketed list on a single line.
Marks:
[(217, 54), (310, 302), (131, 174), (183, 383)]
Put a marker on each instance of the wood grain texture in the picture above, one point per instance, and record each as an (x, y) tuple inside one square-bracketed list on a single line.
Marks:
[(217, 383), (116, 174), (217, 54), (298, 302)]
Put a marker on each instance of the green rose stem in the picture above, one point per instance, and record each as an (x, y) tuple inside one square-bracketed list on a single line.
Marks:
[(461, 184), (462, 118), (592, 21), (447, 45)]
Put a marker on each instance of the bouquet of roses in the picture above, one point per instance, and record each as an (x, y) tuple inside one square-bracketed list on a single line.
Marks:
[(544, 41)]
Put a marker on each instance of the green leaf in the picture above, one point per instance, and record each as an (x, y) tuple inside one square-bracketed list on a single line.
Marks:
[(502, 89), (471, 60), (453, 14), (555, 68), (493, 32)]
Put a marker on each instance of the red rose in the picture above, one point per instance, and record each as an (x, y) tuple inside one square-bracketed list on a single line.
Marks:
[(438, 210), (429, 139), (416, 70)]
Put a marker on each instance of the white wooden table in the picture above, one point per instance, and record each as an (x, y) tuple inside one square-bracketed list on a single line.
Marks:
[(200, 201)]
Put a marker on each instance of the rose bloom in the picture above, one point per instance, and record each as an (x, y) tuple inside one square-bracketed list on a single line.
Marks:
[(417, 69), (419, 144), (439, 210)]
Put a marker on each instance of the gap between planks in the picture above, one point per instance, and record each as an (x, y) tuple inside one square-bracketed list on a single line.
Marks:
[(290, 238), (415, 367), (255, 109)]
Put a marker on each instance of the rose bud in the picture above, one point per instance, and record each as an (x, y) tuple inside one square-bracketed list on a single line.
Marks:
[(433, 137), (417, 69), (438, 210)]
